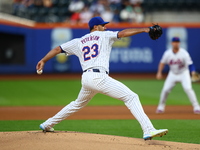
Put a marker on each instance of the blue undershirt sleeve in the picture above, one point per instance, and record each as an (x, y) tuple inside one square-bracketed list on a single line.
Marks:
[(192, 68)]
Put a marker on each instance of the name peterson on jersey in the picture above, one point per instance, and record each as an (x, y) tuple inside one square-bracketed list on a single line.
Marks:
[(92, 49)]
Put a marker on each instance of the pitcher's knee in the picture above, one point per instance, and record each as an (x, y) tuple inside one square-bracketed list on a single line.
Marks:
[(79, 104), (131, 97)]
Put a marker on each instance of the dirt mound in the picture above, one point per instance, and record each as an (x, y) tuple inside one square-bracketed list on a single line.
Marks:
[(31, 140)]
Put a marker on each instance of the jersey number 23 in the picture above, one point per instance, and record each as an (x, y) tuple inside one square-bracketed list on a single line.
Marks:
[(90, 52)]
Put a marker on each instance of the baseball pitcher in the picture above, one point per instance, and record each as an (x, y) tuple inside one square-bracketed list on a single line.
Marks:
[(93, 51)]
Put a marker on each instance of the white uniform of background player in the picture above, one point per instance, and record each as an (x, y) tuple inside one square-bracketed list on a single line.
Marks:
[(179, 61), (93, 51)]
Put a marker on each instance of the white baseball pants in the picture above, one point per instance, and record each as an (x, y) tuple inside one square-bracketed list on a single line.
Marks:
[(170, 82), (93, 83)]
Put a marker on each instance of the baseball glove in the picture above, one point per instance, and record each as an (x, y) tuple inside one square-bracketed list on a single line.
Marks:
[(155, 32), (195, 77)]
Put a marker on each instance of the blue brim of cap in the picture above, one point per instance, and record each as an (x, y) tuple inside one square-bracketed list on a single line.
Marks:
[(105, 23)]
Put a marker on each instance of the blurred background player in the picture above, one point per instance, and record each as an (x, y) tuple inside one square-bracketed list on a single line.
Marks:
[(180, 65)]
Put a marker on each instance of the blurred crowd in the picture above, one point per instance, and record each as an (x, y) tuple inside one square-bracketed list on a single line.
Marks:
[(17, 4), (81, 11)]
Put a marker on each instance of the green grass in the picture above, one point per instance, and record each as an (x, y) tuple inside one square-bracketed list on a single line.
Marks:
[(62, 92), (186, 131)]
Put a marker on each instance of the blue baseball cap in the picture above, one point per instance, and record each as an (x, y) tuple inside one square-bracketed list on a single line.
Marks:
[(96, 21), (175, 39)]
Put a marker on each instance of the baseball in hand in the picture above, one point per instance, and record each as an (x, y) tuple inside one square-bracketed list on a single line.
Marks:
[(39, 71)]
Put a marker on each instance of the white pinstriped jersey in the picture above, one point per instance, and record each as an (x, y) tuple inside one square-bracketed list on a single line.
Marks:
[(93, 49), (178, 62)]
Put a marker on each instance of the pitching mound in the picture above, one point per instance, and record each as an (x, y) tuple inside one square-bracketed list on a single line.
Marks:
[(32, 140)]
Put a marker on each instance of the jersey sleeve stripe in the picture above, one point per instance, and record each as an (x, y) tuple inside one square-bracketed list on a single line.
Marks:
[(62, 51)]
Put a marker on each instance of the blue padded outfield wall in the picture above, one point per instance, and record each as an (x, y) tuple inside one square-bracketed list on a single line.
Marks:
[(133, 54)]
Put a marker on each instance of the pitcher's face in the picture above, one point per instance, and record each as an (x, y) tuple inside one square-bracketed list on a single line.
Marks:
[(101, 27)]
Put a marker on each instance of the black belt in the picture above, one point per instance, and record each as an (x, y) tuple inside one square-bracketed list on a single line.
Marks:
[(95, 70)]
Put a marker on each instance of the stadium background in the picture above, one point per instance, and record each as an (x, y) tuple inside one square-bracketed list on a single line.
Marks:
[(25, 39)]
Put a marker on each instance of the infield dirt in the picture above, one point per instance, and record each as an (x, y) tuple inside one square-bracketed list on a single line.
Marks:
[(94, 112)]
